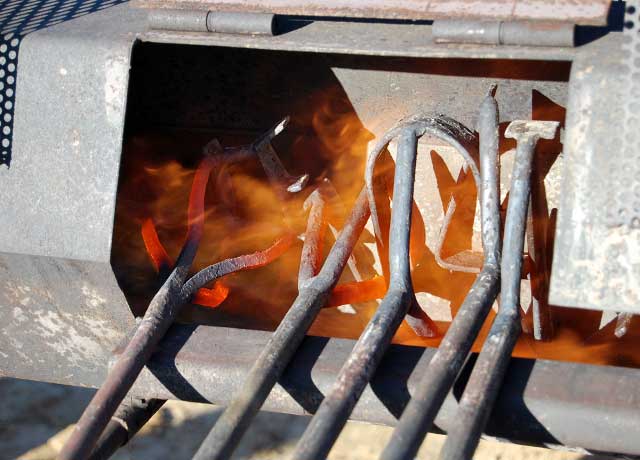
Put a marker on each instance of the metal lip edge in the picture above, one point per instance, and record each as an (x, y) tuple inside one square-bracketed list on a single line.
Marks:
[(294, 41), (587, 12), (532, 408)]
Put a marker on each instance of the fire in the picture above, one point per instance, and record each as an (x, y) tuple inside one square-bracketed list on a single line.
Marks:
[(243, 214)]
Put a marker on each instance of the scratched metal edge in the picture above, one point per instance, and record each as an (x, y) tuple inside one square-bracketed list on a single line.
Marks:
[(589, 12)]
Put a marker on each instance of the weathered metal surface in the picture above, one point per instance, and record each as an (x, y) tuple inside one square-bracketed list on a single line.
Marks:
[(596, 260), (65, 115), (377, 39), (547, 403), (69, 120), (132, 415), (59, 319), (61, 308), (575, 11)]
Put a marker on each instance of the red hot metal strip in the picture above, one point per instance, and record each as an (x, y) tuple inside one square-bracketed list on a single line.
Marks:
[(164, 263), (584, 12)]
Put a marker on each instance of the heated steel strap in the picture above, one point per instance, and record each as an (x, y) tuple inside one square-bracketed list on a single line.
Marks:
[(417, 418), (226, 433), (488, 372)]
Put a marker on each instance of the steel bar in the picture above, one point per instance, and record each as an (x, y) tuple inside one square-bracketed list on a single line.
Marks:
[(235, 264), (445, 129), (489, 370), (441, 127), (226, 433), (160, 314), (311, 257), (125, 423), (279, 177), (539, 235), (622, 324), (353, 378), (419, 415), (334, 411)]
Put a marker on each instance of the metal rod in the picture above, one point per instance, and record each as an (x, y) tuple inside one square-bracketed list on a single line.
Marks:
[(332, 414), (441, 127), (226, 433), (369, 350), (418, 416), (160, 314), (164, 307), (538, 235), (279, 177), (123, 426), (235, 264), (622, 324), (311, 257), (489, 370)]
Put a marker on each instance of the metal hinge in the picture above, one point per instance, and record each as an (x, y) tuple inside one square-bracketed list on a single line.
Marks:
[(228, 22)]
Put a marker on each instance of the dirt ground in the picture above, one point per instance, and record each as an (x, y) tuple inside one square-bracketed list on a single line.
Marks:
[(37, 417)]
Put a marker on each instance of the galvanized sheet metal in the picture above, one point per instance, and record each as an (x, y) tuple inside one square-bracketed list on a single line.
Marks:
[(593, 12)]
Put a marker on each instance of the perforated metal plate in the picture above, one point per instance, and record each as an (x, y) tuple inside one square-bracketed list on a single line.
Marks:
[(597, 252), (17, 19)]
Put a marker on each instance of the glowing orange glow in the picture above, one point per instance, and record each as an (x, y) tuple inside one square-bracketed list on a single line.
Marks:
[(155, 249), (163, 262), (357, 292), (211, 297)]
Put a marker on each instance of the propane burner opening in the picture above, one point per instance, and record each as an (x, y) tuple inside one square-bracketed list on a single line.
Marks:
[(284, 138)]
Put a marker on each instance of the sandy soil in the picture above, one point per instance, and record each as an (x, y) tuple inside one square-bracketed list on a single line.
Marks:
[(37, 418)]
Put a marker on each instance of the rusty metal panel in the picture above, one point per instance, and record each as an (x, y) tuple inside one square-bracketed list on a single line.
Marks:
[(592, 12), (596, 262)]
